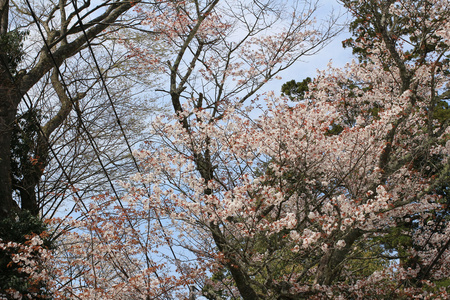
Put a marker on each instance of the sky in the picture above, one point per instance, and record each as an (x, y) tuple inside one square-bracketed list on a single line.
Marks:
[(308, 66)]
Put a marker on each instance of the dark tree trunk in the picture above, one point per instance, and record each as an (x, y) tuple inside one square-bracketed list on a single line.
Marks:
[(328, 269), (4, 11), (8, 107), (28, 197)]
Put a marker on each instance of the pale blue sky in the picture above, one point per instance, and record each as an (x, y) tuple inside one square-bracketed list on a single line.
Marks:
[(308, 66)]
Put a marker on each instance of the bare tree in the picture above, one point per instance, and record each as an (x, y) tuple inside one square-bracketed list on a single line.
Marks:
[(67, 27)]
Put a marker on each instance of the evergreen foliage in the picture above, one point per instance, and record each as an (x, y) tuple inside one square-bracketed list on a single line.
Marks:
[(11, 49)]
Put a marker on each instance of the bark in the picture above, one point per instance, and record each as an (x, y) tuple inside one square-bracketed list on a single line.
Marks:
[(4, 10), (8, 108), (329, 265), (240, 277)]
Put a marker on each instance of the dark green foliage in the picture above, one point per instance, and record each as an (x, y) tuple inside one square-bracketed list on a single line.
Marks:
[(20, 229), (11, 49), (296, 90), (335, 129), (442, 112)]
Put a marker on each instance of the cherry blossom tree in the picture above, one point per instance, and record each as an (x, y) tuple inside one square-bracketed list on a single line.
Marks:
[(341, 195), (221, 53)]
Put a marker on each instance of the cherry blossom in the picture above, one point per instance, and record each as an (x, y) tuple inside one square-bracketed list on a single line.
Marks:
[(333, 196)]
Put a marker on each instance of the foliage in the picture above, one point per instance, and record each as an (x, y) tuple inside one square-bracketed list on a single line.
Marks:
[(296, 90), (11, 49)]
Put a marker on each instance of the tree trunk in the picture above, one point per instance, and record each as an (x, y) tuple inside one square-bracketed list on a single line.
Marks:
[(4, 11), (28, 197), (8, 107), (328, 269)]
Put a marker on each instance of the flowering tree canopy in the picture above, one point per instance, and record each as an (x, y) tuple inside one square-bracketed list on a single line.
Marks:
[(340, 195)]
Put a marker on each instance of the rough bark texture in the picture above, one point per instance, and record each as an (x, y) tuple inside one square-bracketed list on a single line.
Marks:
[(8, 108), (4, 10)]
